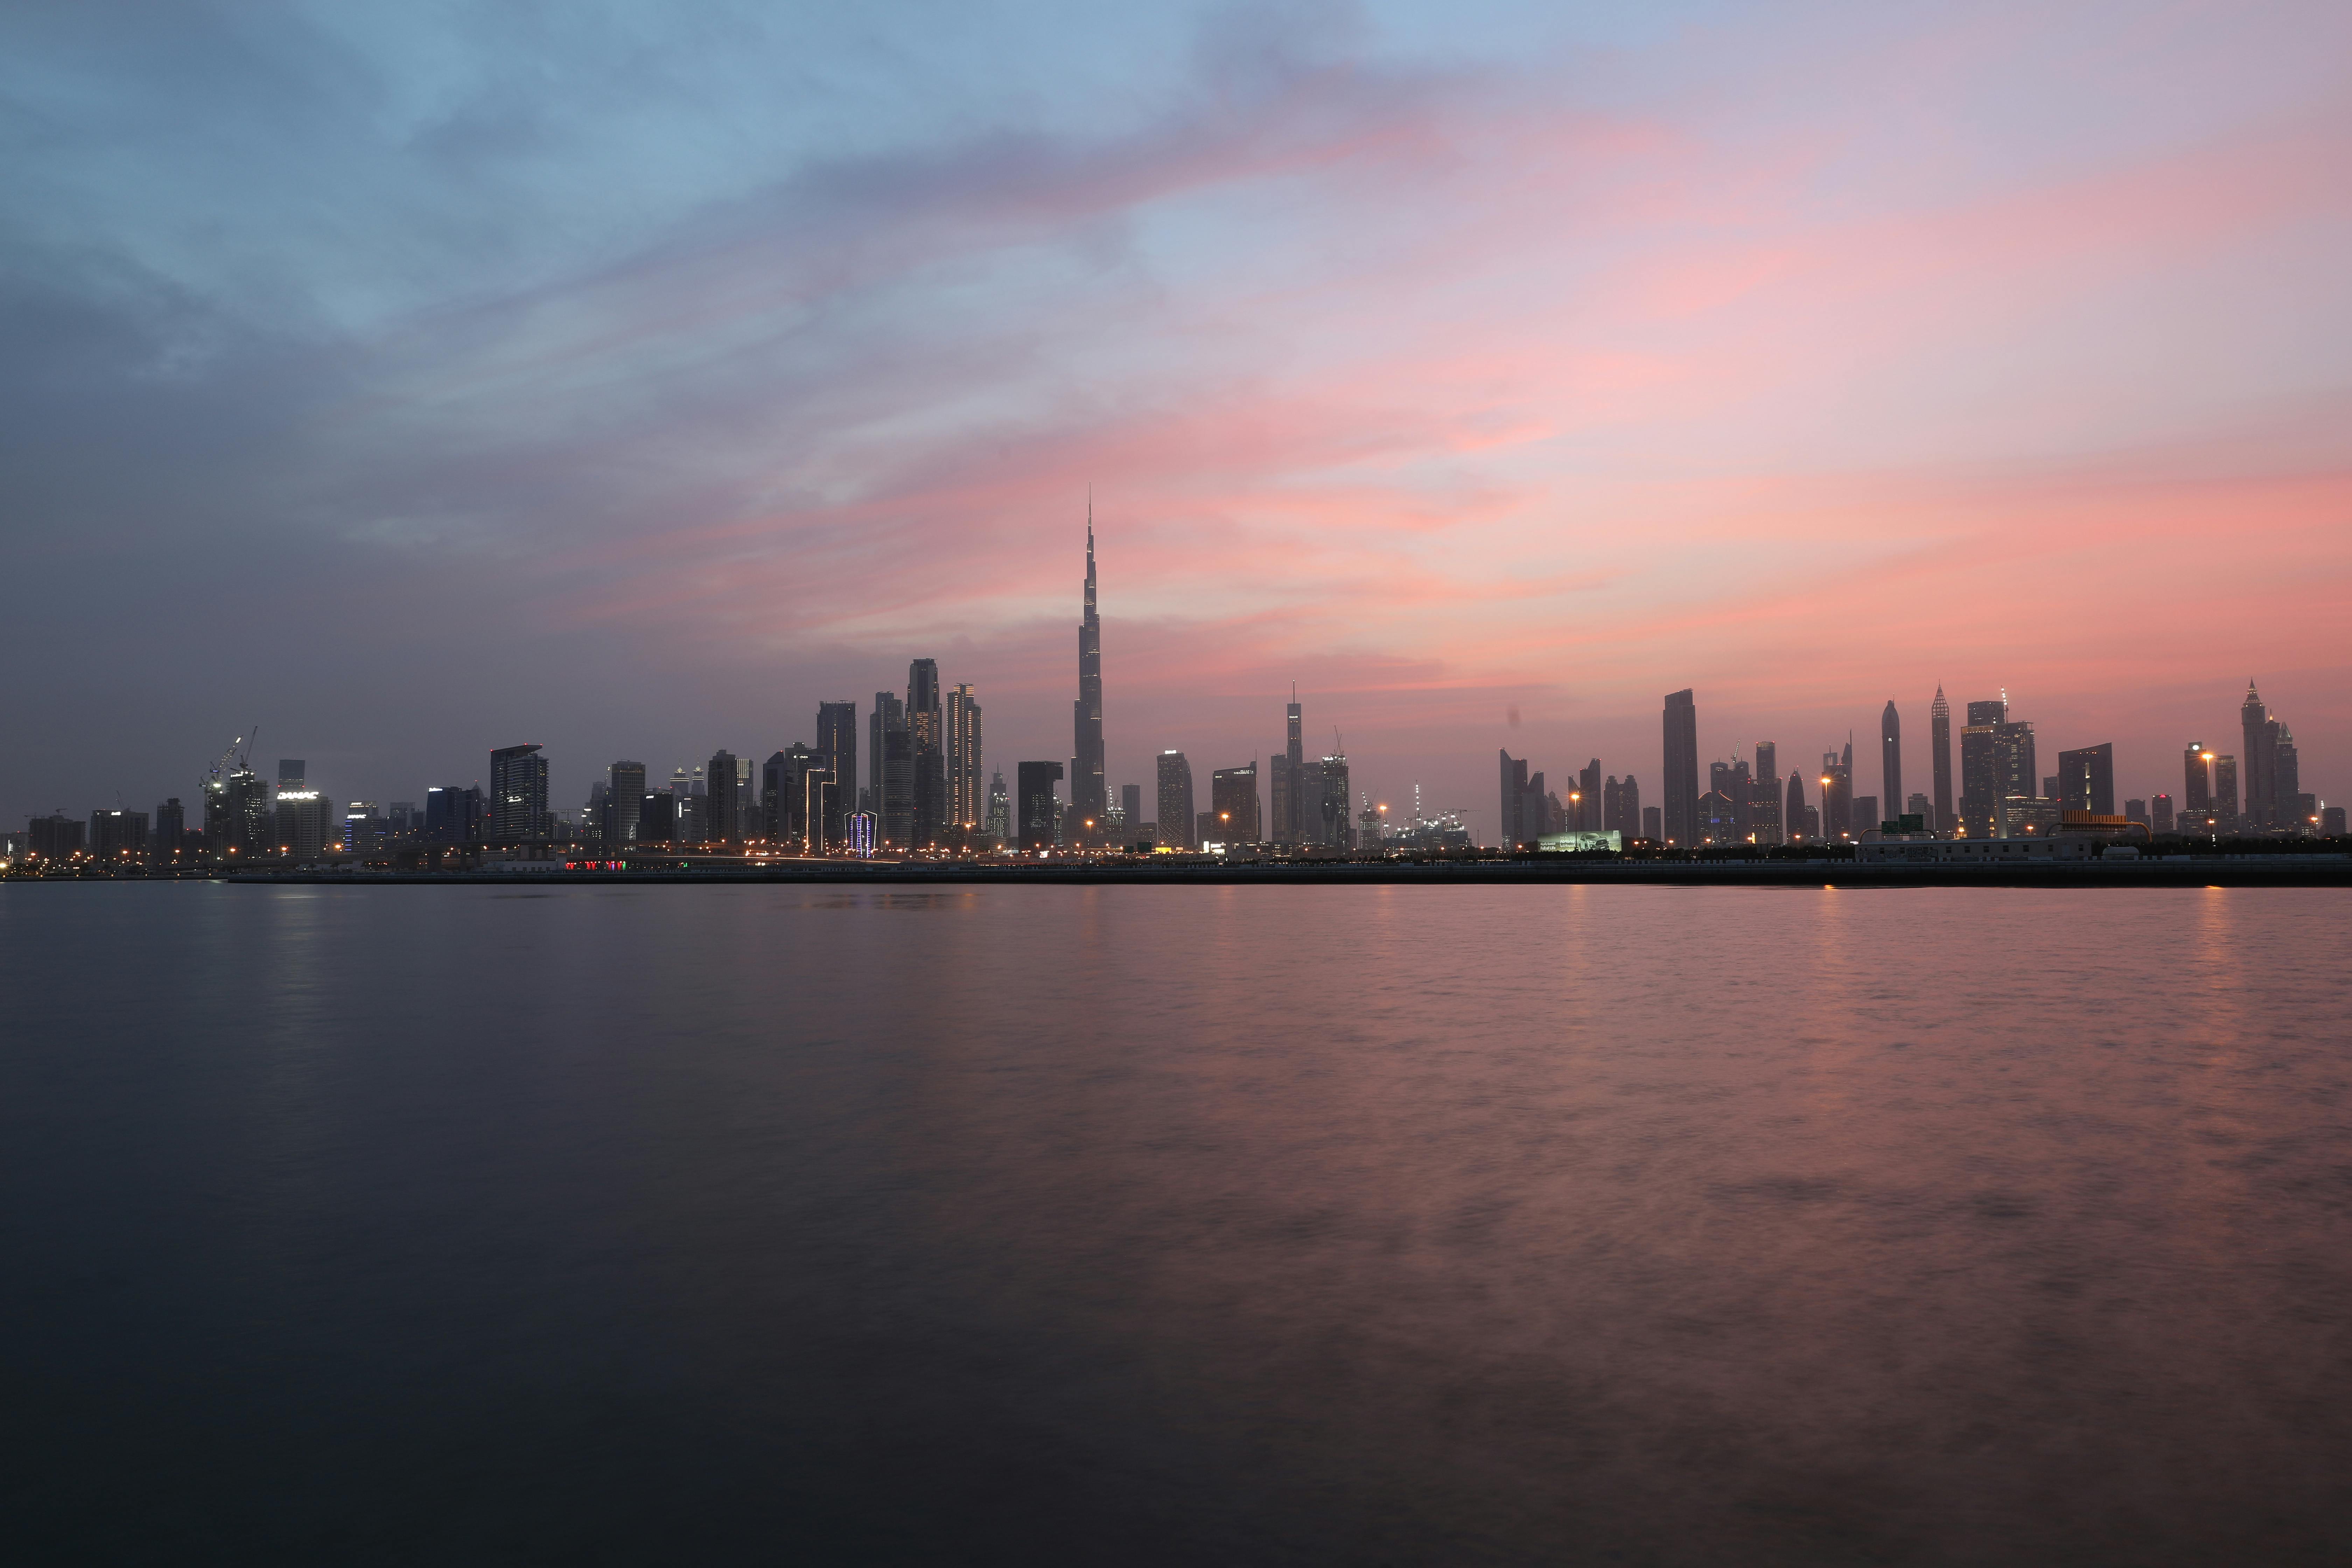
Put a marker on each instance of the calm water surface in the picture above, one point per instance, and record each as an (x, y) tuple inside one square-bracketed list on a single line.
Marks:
[(1055, 1224)]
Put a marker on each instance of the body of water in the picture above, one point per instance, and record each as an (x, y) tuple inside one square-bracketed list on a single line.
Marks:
[(1262, 1225)]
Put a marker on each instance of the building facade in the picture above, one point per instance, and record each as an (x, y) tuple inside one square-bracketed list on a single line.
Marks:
[(1175, 801), (1680, 792)]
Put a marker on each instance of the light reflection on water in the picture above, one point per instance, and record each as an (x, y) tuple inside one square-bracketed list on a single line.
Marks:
[(1393, 1224)]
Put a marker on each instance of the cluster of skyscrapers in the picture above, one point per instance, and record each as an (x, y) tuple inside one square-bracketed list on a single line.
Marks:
[(921, 789)]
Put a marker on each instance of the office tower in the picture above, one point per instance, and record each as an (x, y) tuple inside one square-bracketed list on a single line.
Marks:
[(1792, 813), (2293, 808), (722, 800), (624, 800), (292, 772), (171, 827), (820, 803), (2014, 766), (1000, 808), (1718, 822), (117, 836), (1089, 796), (1939, 744), (1867, 816), (1522, 814), (967, 799), (1652, 828), (888, 718), (1890, 756), (2227, 816), (2331, 822), (1177, 818), (1613, 806), (1768, 766), (2159, 814), (2260, 776), (1837, 797), (1588, 803), (454, 815), (927, 746), (2087, 779), (1920, 807), (1324, 815), (55, 836), (596, 813), (2197, 779), (363, 828), (1629, 803), (658, 817), (1287, 785), (2135, 811), (1765, 825), (1232, 796), (1039, 805), (237, 809), (305, 821), (1130, 807), (517, 795), (2049, 790), (1681, 768)]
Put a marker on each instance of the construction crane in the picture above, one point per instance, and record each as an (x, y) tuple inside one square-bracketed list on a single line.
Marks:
[(241, 760)]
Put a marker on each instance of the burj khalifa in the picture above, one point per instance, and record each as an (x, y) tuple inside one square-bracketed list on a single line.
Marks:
[(1090, 799)]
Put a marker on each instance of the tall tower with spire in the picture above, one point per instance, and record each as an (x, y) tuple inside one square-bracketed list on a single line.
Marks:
[(1090, 799), (1939, 746), (2260, 763), (1890, 763)]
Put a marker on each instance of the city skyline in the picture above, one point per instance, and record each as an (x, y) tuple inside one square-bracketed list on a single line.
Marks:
[(1515, 363)]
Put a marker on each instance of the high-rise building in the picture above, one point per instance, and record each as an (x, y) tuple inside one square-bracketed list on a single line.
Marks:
[(1000, 808), (624, 805), (1792, 811), (293, 773), (1628, 799), (2135, 811), (1089, 797), (722, 800), (1920, 807), (1681, 790), (1837, 796), (171, 828), (237, 817), (2159, 814), (1522, 816), (1768, 766), (888, 715), (1996, 762), (836, 751), (363, 828), (659, 818), (926, 743), (2228, 817), (1939, 746), (1890, 756), (1284, 785), (305, 821), (2197, 779), (1652, 828), (1177, 818), (2260, 777), (1765, 824), (1718, 822), (2295, 807), (1587, 798), (967, 799), (1612, 809), (1867, 816), (1731, 780), (455, 815), (1323, 795), (1039, 805), (1130, 810), (117, 837), (2087, 779), (517, 795), (1233, 795)]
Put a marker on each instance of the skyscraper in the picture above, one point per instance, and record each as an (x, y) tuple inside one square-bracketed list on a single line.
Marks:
[(517, 795), (1232, 796), (2159, 814), (1039, 803), (1768, 770), (2197, 780), (723, 799), (928, 750), (1792, 811), (966, 805), (2227, 816), (836, 750), (1285, 787), (888, 713), (1629, 803), (1520, 821), (1981, 778), (1130, 808), (2087, 779), (1681, 817), (2261, 770), (1588, 800), (623, 801), (1890, 758), (1089, 798), (1939, 743), (1175, 803), (1837, 796), (1000, 808)]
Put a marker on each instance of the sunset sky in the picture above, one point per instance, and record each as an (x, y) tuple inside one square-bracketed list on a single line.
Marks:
[(417, 379)]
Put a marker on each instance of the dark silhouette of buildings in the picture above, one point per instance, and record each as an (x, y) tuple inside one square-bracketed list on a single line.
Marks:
[(453, 816), (927, 747), (1681, 787), (1521, 818), (967, 804), (518, 796), (1939, 744), (1089, 795), (624, 803), (2087, 779), (722, 800), (836, 750), (889, 716), (1285, 787), (117, 836), (1890, 757), (2261, 753), (1039, 805), (1232, 797), (1793, 811), (1178, 828)]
